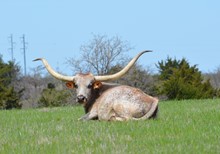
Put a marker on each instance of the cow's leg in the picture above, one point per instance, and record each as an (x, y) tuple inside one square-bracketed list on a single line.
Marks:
[(116, 118), (89, 116), (92, 114), (110, 114)]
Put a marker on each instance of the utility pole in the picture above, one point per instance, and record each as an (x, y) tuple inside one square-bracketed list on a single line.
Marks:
[(24, 52), (12, 47)]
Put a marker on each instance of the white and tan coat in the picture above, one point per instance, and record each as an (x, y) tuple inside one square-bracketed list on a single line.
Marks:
[(106, 101)]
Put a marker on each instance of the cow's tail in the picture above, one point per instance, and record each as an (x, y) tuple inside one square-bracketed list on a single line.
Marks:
[(152, 113)]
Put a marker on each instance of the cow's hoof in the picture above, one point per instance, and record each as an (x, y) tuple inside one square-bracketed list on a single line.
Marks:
[(83, 118)]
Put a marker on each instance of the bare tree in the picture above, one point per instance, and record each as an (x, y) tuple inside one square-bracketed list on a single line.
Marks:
[(100, 54), (214, 78), (138, 77)]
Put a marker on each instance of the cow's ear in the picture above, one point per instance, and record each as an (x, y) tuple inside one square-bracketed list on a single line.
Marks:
[(97, 85), (70, 84)]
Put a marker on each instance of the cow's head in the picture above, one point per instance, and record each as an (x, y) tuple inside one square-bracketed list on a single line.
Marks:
[(86, 83)]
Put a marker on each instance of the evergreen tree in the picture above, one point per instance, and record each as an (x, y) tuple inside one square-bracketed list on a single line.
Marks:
[(9, 98), (179, 80)]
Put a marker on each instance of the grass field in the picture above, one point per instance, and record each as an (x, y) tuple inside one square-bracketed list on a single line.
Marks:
[(191, 126)]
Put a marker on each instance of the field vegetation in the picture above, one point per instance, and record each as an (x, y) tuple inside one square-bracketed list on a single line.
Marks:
[(188, 126)]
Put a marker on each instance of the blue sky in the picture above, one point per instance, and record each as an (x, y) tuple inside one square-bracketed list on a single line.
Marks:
[(56, 29)]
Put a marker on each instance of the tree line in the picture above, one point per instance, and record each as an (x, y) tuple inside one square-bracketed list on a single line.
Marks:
[(176, 79)]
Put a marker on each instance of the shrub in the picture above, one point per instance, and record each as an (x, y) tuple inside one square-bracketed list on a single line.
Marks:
[(52, 97), (179, 80)]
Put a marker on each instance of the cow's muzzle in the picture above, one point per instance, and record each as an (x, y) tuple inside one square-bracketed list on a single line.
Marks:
[(81, 99)]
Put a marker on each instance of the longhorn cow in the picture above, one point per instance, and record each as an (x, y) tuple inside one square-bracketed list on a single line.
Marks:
[(107, 101)]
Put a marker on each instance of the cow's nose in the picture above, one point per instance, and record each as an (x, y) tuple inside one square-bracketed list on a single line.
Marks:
[(81, 98)]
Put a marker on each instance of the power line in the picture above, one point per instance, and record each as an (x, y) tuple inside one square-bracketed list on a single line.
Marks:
[(24, 52), (12, 47)]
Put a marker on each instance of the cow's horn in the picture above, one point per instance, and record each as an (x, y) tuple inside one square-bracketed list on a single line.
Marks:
[(123, 71), (54, 73)]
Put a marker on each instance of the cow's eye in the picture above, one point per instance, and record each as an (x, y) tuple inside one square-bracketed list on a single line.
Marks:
[(90, 86)]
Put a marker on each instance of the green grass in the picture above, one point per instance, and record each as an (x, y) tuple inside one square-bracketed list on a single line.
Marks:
[(191, 126)]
